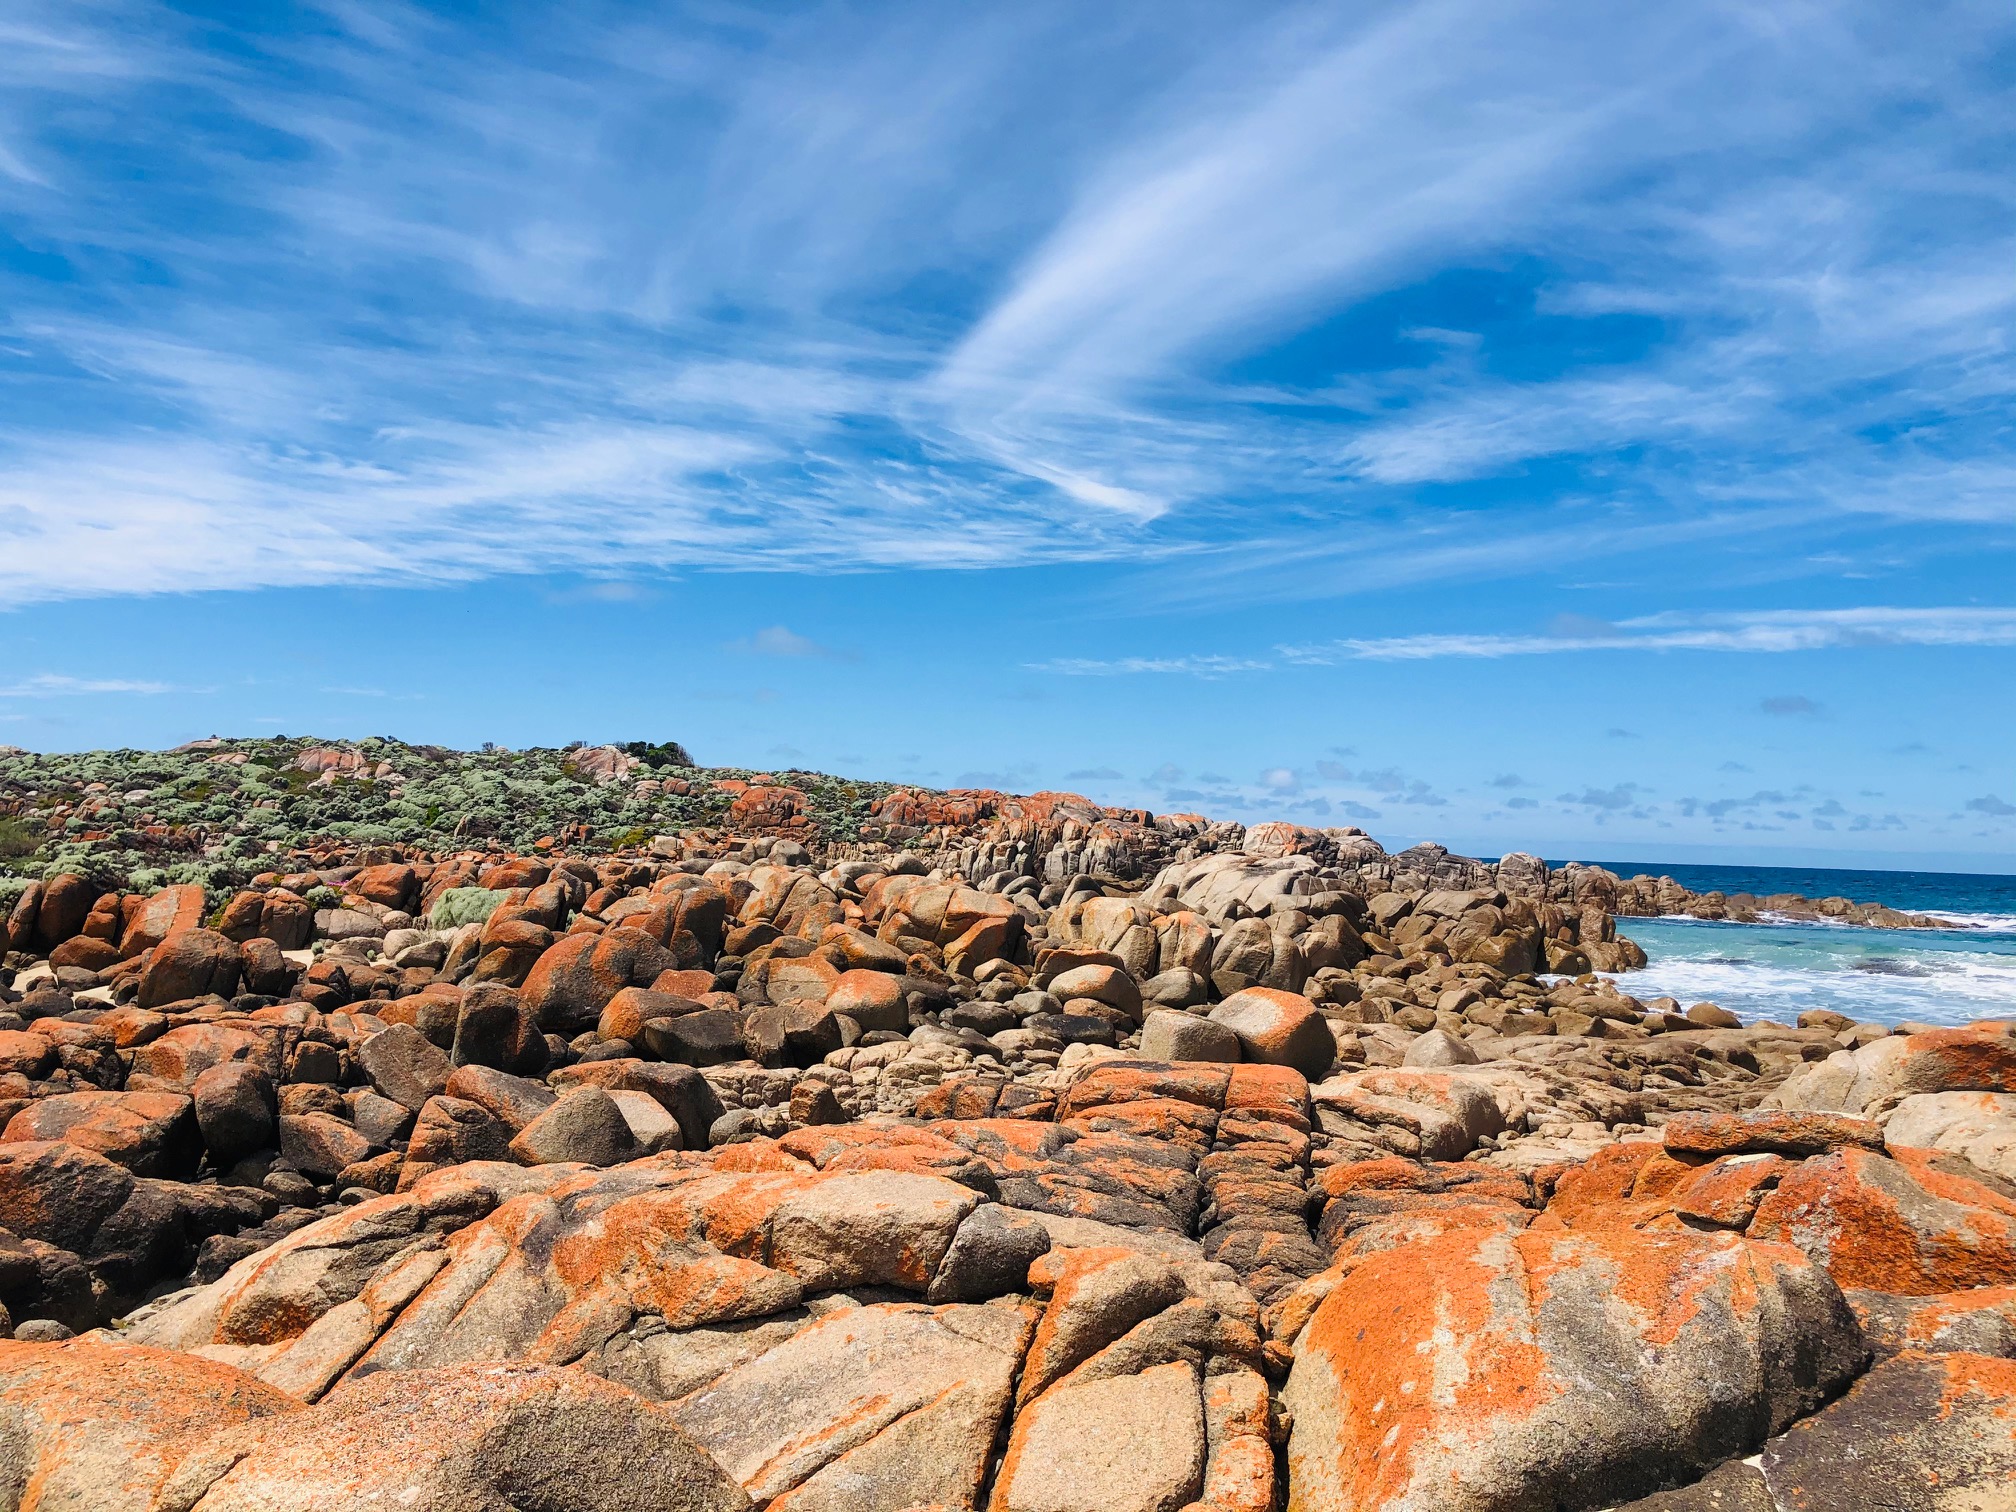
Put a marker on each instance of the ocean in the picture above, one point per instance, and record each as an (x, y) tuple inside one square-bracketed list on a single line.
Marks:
[(1888, 976)]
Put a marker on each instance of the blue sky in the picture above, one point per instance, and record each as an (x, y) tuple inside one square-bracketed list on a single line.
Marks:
[(1566, 426)]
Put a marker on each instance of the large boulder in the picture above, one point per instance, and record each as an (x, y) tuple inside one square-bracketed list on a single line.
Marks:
[(794, 1034), (873, 999), (711, 1037), (321, 1144), (1920, 1433), (191, 963), (1980, 1320), (1277, 1028), (1212, 884), (1257, 953), (149, 1133), (167, 913), (59, 1193), (60, 907), (1980, 1127), (451, 1131), (177, 1058), (1109, 985), (493, 1027), (680, 1090), (1436, 1115), (24, 1054), (1169, 1035), (1485, 1371), (586, 1126), (575, 979), (508, 950), (513, 1100), (1874, 1079), (1915, 1224), (626, 1014), (471, 1438), (405, 1065), (89, 1426)]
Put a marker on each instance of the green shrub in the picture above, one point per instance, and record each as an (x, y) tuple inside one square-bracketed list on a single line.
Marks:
[(18, 839), (465, 905)]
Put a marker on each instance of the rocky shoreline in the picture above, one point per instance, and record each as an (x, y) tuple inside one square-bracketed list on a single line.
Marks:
[(964, 1150), (1648, 897)]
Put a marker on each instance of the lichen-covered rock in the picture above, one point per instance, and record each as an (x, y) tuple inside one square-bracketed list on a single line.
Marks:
[(1874, 1079), (1766, 1131), (575, 978), (1980, 1320), (1132, 1443), (167, 913), (886, 1406), (1462, 1372), (149, 1133), (475, 1438), (1919, 1433), (191, 963), (1916, 1224), (85, 1425), (1279, 1028)]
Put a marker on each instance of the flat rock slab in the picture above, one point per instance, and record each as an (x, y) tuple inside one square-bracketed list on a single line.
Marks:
[(1123, 1444), (881, 1407)]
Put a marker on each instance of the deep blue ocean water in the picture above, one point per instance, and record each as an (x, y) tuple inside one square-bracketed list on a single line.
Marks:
[(1778, 970)]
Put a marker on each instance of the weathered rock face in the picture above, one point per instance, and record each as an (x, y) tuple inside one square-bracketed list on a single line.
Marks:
[(1980, 1320), (1015, 1313), (88, 1425), (149, 1133), (891, 1405), (1915, 1225), (480, 1436), (1458, 1372), (726, 1287), (1920, 1433)]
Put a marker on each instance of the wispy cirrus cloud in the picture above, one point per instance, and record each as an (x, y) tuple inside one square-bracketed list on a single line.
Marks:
[(406, 297), (1761, 632), (58, 685), (1181, 666)]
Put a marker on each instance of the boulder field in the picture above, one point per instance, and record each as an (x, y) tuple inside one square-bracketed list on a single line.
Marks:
[(721, 1175)]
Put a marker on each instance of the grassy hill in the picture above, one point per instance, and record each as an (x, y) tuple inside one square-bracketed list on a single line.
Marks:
[(214, 811)]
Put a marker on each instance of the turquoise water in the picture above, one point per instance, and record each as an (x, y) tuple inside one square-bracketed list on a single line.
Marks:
[(1777, 971)]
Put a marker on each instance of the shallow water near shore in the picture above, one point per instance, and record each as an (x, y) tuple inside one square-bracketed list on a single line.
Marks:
[(1778, 970)]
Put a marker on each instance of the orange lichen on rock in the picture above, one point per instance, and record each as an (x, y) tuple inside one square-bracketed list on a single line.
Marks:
[(1464, 1361), (1915, 1223)]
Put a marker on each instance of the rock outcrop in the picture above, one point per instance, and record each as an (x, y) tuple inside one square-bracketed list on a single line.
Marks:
[(1062, 1158)]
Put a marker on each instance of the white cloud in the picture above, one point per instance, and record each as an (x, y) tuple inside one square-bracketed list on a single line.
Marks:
[(1191, 666), (780, 640), (892, 287), (57, 685), (1765, 631)]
